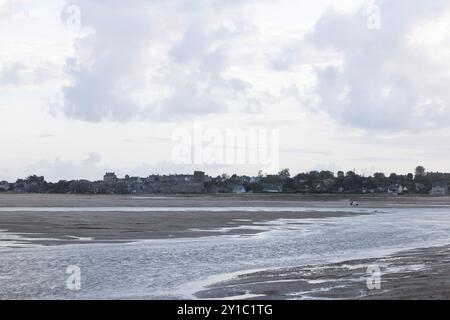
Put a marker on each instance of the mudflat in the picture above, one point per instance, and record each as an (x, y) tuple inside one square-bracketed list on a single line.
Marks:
[(221, 200), (413, 274), (109, 226), (80, 226)]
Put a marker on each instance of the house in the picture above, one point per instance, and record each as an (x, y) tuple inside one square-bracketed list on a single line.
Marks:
[(324, 185), (4, 186), (239, 188), (419, 187), (368, 190), (216, 188), (272, 188), (255, 179), (329, 183), (110, 177), (381, 189), (137, 180), (199, 176), (320, 187), (397, 189), (133, 184), (439, 189)]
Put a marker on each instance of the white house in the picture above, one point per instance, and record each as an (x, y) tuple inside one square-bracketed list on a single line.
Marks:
[(239, 188), (397, 189), (271, 188)]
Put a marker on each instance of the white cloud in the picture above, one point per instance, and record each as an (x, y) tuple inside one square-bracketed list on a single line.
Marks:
[(19, 74), (153, 59), (10, 9), (148, 62), (382, 81), (11, 74)]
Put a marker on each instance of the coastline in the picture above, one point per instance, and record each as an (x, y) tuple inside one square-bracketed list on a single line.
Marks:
[(422, 273), (222, 231), (55, 219), (59, 228)]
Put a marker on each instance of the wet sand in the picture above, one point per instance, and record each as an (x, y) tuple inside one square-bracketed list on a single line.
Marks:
[(220, 200), (69, 227), (414, 274), (57, 228), (131, 226)]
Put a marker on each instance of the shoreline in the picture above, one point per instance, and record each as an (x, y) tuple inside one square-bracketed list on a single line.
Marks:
[(79, 219), (105, 227), (407, 272), (99, 219), (420, 273), (84, 200)]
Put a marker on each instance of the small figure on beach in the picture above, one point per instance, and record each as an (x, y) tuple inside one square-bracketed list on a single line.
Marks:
[(354, 203)]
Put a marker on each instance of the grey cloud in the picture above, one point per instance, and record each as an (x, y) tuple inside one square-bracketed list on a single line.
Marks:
[(110, 69), (106, 67), (382, 83), (203, 53)]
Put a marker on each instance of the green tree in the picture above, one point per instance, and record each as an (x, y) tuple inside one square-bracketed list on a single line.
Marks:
[(284, 173), (379, 176), (420, 171)]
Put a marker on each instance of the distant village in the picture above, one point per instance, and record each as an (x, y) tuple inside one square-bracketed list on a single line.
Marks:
[(314, 182)]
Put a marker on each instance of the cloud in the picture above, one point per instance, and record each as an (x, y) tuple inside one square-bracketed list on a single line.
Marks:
[(154, 59), (12, 74), (57, 169), (19, 74), (10, 9), (386, 78), (93, 159), (286, 58)]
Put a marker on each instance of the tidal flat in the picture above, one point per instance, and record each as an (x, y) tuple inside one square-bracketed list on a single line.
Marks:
[(224, 246)]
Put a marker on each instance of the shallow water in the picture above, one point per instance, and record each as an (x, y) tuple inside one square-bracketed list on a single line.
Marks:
[(177, 268), (176, 209)]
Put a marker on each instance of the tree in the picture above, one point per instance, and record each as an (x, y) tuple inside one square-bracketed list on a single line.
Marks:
[(420, 171), (350, 174), (35, 179), (326, 175), (379, 176), (393, 177), (284, 173)]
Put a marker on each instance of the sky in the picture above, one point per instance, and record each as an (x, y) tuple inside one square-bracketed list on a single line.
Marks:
[(89, 86)]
